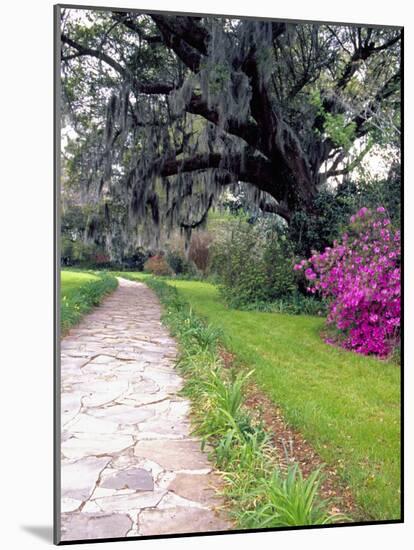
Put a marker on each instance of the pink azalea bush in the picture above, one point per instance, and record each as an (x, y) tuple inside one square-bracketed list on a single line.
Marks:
[(360, 277)]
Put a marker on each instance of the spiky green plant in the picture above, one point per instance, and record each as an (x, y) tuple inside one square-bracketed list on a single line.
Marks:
[(286, 499)]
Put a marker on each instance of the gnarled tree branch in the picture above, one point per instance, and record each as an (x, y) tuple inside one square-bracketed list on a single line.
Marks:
[(139, 87)]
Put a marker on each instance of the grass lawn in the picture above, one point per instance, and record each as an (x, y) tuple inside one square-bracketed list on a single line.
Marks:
[(79, 292), (346, 405), (72, 281)]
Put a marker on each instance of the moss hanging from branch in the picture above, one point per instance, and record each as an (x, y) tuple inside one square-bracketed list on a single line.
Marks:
[(173, 110)]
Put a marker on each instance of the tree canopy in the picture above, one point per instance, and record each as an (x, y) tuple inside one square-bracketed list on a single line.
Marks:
[(167, 111)]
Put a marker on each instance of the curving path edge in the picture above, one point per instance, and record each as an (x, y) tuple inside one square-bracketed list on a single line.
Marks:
[(129, 466)]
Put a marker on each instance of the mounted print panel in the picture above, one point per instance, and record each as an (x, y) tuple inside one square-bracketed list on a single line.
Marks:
[(228, 274)]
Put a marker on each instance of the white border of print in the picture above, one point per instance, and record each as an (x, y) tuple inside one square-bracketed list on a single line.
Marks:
[(27, 272)]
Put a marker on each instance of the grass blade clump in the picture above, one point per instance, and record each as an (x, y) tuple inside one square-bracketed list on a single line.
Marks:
[(80, 292), (286, 499)]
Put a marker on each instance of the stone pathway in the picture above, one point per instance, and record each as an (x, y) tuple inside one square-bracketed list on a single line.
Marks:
[(129, 465)]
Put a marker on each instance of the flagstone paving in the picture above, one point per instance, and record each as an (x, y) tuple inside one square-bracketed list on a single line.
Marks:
[(129, 465)]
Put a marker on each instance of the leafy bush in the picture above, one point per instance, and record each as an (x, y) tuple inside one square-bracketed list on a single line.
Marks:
[(333, 207), (238, 263), (81, 253), (319, 230), (176, 261), (157, 265), (277, 264), (132, 261), (179, 263), (253, 267), (361, 278)]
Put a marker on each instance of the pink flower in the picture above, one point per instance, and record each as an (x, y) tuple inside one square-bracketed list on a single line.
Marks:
[(360, 278), (310, 274), (361, 213)]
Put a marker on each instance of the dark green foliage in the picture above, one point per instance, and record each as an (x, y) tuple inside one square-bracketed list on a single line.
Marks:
[(277, 262), (134, 261), (386, 192), (175, 261), (255, 268), (75, 250), (179, 264), (334, 125), (333, 208), (317, 231), (238, 261), (96, 252), (73, 220)]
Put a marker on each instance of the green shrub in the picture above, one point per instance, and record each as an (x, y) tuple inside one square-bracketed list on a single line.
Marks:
[(133, 261), (333, 207), (179, 264), (79, 252), (254, 267), (176, 261), (238, 263), (278, 264)]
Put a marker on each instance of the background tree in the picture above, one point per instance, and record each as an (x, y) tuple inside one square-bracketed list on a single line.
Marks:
[(170, 110)]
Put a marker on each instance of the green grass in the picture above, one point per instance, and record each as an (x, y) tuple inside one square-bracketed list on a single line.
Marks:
[(346, 405), (80, 291), (258, 492), (71, 281)]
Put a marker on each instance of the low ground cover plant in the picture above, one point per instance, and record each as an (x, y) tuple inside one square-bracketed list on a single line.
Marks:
[(259, 492)]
